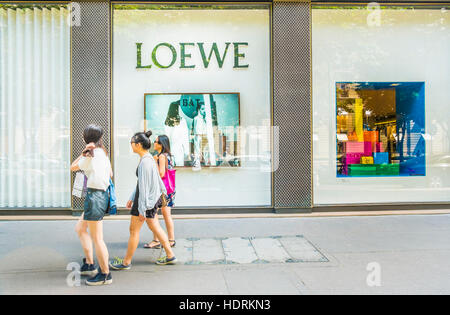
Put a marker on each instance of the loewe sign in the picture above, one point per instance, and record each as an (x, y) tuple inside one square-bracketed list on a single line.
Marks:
[(184, 56)]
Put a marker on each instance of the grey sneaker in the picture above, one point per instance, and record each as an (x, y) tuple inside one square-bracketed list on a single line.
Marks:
[(166, 261), (117, 264)]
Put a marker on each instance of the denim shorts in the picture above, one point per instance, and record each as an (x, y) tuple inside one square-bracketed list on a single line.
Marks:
[(95, 204), (170, 200)]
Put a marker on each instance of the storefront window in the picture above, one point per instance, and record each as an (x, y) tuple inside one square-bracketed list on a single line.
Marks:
[(199, 74), (380, 129), (380, 98), (34, 106)]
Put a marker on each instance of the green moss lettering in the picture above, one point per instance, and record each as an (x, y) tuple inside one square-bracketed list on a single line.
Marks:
[(238, 55), (174, 55), (215, 50)]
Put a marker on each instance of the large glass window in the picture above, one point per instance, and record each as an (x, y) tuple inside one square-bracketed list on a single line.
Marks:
[(380, 101), (380, 128), (199, 74), (34, 106)]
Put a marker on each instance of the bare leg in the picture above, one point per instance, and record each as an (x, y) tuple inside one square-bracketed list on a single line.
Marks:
[(166, 211), (157, 230), (133, 241), (86, 242), (155, 238), (96, 230)]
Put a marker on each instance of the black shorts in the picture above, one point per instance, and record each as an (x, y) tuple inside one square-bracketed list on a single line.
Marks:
[(149, 214)]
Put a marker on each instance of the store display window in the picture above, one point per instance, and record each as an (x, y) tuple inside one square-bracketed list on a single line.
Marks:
[(201, 75), (380, 103), (380, 128)]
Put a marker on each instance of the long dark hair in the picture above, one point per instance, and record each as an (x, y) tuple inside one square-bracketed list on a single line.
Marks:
[(164, 141), (143, 138), (173, 115)]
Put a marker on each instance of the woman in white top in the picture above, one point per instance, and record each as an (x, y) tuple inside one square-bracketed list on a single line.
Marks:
[(96, 166)]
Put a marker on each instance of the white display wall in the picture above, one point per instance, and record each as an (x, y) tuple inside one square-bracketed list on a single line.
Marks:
[(34, 107), (210, 187), (398, 45)]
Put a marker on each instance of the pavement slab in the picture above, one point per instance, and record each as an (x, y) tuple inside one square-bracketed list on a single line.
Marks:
[(239, 250), (270, 250), (208, 251), (183, 251), (301, 250)]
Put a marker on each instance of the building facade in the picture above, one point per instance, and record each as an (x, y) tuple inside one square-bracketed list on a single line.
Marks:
[(270, 106)]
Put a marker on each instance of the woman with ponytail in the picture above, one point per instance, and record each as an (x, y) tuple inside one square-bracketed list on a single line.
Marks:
[(144, 203)]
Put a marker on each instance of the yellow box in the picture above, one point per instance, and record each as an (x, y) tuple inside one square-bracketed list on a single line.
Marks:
[(367, 160)]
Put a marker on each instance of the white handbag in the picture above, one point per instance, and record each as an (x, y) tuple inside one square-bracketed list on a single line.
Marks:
[(80, 185)]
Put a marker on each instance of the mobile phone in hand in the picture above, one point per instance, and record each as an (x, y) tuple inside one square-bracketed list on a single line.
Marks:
[(88, 153)]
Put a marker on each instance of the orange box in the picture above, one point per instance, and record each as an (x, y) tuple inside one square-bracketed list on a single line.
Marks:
[(371, 136)]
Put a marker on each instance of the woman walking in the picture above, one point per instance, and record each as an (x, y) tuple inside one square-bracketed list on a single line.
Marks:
[(144, 204), (165, 162), (96, 166)]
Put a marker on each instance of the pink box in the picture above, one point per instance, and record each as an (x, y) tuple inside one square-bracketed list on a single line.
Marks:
[(368, 148), (351, 158), (365, 148), (379, 147), (354, 147)]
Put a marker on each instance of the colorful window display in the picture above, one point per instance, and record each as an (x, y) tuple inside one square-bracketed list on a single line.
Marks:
[(391, 58), (380, 129)]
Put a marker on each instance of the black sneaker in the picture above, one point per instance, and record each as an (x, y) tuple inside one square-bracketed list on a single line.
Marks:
[(100, 279), (88, 270)]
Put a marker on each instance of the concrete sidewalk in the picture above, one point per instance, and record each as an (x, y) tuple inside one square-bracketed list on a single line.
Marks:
[(244, 256)]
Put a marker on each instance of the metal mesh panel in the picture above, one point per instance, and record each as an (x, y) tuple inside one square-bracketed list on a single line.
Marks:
[(90, 76), (292, 103)]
